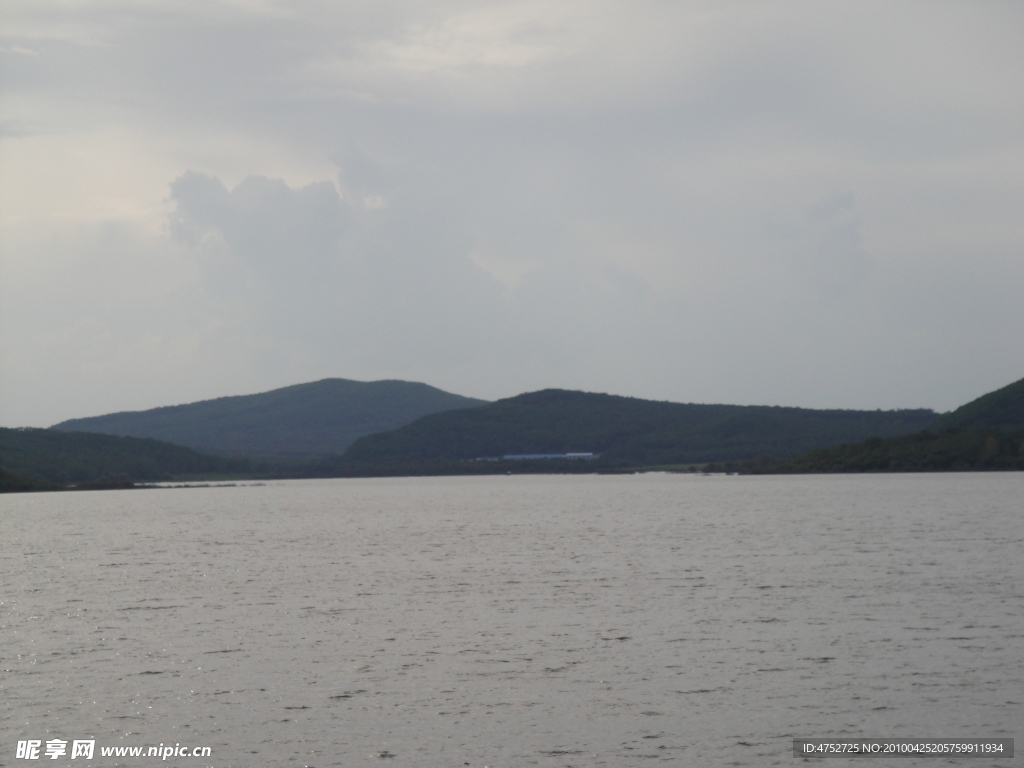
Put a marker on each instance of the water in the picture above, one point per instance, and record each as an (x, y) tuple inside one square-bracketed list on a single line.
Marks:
[(514, 621)]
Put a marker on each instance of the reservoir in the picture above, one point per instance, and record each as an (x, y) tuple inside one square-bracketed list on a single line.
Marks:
[(510, 621)]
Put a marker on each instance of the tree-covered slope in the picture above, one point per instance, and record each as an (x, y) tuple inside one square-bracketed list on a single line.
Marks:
[(983, 435), (953, 450), (625, 430), (1002, 409), (315, 419), (79, 457)]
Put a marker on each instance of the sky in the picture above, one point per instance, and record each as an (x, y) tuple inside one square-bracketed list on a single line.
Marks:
[(815, 204)]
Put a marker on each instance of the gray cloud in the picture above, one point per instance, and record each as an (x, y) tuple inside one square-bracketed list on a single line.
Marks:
[(777, 202), (263, 221)]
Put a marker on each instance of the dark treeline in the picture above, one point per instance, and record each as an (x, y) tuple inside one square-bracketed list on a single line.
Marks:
[(952, 450), (11, 482), (44, 459)]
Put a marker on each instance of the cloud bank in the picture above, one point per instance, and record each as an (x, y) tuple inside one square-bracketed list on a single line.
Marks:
[(775, 202)]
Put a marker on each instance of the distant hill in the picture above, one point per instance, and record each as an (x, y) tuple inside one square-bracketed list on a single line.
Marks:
[(985, 434), (625, 431), (31, 459), (297, 422), (1001, 409)]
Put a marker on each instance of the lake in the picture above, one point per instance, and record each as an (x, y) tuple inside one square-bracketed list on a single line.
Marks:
[(514, 620)]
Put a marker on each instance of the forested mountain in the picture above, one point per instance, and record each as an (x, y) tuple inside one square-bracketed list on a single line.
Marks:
[(625, 431), (297, 422), (302, 431), (985, 434), (1001, 409), (32, 458)]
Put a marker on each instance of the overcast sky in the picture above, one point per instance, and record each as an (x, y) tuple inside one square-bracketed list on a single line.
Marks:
[(784, 203)]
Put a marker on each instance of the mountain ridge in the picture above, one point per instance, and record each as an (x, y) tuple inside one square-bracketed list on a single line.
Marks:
[(626, 434), (296, 422), (624, 430), (986, 434), (1001, 408)]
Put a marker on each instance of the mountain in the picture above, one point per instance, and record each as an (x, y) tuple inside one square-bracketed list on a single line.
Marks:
[(1002, 409), (985, 434), (32, 458), (625, 431), (297, 422)]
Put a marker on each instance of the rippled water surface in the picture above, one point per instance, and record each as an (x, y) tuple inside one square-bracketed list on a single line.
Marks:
[(515, 621)]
